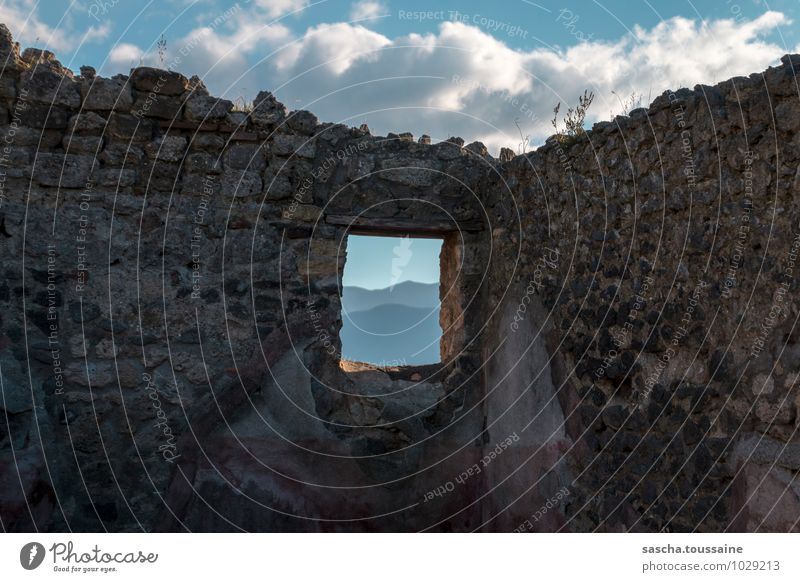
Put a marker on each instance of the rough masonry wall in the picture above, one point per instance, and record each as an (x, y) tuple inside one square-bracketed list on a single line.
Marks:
[(172, 274), (169, 334), (662, 248)]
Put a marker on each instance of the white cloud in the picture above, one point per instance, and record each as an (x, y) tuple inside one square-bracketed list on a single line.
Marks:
[(464, 81), (332, 48), (97, 32), (277, 8), (24, 23), (219, 49), (23, 20), (367, 9), (125, 55)]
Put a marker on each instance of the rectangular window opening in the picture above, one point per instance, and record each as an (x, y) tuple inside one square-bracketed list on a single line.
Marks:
[(391, 300)]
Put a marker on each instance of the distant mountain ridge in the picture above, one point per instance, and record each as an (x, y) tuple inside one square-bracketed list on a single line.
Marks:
[(408, 293), (391, 326)]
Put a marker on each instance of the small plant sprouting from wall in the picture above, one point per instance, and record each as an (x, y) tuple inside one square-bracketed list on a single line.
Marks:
[(633, 101), (162, 50), (574, 119), (242, 105), (524, 140)]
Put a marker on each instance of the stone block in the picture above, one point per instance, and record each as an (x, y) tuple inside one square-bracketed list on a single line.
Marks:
[(65, 170), (101, 94), (48, 87), (202, 108), (159, 81)]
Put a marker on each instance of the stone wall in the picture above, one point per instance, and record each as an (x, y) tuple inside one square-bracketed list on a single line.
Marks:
[(169, 333), (656, 257)]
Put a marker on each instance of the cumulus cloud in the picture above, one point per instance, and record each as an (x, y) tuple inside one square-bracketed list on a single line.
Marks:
[(23, 19), (97, 32), (24, 22), (367, 9), (276, 8), (463, 80), (335, 48), (218, 50), (125, 55)]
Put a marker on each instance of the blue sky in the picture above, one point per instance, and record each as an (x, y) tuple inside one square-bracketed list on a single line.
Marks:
[(467, 68), (377, 262)]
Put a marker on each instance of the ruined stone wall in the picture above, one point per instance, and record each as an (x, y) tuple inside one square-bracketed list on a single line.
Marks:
[(656, 257), (172, 270), (170, 311)]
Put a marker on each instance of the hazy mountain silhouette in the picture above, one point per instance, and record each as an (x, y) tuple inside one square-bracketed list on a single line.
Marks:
[(408, 293), (397, 327)]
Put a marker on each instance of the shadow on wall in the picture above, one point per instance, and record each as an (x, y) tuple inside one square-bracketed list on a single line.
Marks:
[(527, 482)]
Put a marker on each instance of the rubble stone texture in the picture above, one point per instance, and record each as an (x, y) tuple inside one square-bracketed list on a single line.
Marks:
[(620, 308)]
